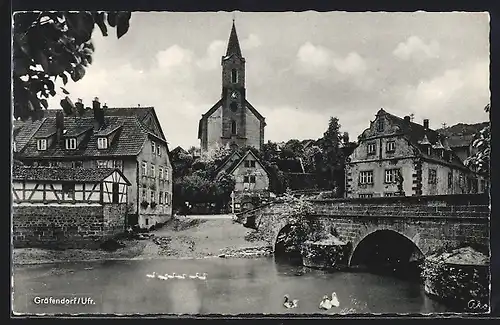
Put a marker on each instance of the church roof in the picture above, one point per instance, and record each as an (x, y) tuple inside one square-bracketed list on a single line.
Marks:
[(233, 46)]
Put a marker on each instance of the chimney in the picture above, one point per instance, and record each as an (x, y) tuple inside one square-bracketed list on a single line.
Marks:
[(426, 123), (80, 107), (98, 113), (407, 119), (59, 125)]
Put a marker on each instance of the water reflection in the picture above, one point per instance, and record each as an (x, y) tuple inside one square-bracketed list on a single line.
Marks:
[(233, 286)]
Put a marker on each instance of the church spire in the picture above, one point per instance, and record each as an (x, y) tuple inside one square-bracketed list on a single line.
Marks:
[(233, 46)]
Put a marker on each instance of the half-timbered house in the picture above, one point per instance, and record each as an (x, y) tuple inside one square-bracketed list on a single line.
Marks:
[(67, 207)]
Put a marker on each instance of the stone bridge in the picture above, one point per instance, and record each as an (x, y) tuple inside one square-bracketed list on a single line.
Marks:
[(430, 223)]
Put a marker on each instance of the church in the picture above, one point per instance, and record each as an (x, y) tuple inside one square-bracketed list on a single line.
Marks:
[(232, 122)]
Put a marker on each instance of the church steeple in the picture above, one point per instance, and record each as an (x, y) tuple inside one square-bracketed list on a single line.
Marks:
[(233, 46)]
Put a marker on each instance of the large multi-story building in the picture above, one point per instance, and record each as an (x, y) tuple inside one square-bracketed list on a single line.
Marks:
[(232, 121), (130, 139), (395, 156)]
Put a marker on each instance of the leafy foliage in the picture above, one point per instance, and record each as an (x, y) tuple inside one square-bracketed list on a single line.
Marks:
[(50, 45), (480, 161)]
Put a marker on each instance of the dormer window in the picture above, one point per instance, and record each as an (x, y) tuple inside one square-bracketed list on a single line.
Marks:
[(71, 143), (102, 143), (234, 76), (41, 144)]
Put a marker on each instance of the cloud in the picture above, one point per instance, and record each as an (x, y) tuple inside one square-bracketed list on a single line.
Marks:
[(211, 60), (173, 56), (319, 61), (253, 41), (415, 48), (457, 95)]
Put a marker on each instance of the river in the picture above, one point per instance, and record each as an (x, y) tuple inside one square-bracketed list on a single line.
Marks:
[(233, 286)]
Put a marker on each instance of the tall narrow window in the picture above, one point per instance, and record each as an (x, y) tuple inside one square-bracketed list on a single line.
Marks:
[(233, 127), (380, 124), (153, 147), (158, 150), (234, 76), (153, 171), (450, 179), (42, 144), (116, 193), (144, 168), (71, 143), (432, 176), (102, 143)]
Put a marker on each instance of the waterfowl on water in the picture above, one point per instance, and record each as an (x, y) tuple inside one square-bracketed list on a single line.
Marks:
[(202, 277), (151, 275), (290, 304), (335, 301), (170, 276), (194, 276), (325, 303), (163, 277), (181, 276)]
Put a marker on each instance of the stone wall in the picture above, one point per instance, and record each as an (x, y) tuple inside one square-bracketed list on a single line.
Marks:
[(66, 226), (431, 223)]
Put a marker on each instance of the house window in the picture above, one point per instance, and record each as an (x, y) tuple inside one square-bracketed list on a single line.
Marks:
[(68, 190), (390, 175), (153, 174), (246, 179), (252, 179), (152, 196), (144, 168), (366, 195), (102, 164), (158, 150), (102, 143), (41, 144), (160, 173), (144, 194), (71, 143), (371, 148), (366, 177), (233, 127), (118, 164), (153, 147), (234, 76), (391, 146), (450, 179), (167, 176), (432, 176), (160, 198), (247, 163), (166, 199), (147, 221), (429, 150), (252, 163), (115, 192), (380, 124)]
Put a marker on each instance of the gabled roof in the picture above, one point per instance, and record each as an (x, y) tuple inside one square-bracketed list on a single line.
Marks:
[(130, 134), (205, 116), (237, 163), (461, 134), (420, 138), (255, 112), (177, 150), (23, 131), (60, 174), (289, 165), (227, 160)]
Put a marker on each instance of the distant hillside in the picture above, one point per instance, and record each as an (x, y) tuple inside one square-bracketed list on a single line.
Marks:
[(462, 129)]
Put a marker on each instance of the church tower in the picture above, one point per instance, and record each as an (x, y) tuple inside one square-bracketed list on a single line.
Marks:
[(232, 121)]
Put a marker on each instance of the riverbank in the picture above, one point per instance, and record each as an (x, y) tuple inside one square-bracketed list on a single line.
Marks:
[(183, 238)]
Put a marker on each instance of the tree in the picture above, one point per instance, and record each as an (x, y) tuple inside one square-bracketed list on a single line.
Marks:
[(51, 45), (331, 166), (480, 161)]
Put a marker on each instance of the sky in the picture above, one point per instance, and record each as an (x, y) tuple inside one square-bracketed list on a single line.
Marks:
[(301, 68)]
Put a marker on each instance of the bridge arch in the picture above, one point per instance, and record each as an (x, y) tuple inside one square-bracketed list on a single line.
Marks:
[(385, 246), (287, 239)]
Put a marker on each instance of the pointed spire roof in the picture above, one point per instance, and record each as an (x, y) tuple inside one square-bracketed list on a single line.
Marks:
[(233, 46)]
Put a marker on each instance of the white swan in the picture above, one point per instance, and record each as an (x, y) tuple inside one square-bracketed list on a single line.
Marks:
[(151, 275), (180, 276), (325, 303), (290, 304), (163, 277), (335, 301), (194, 276), (170, 276), (202, 277)]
